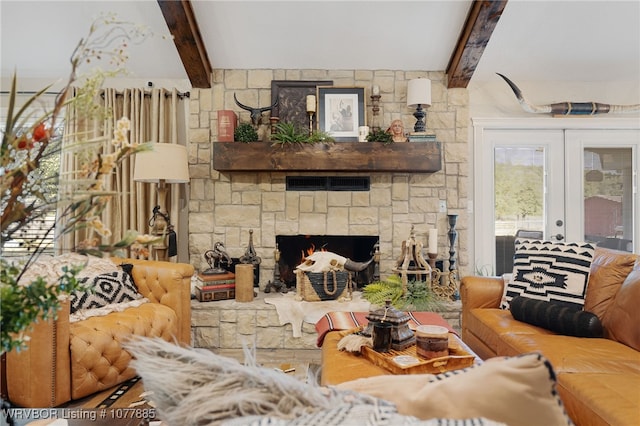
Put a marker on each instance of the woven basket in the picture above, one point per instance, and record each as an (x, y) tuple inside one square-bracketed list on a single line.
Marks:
[(318, 286)]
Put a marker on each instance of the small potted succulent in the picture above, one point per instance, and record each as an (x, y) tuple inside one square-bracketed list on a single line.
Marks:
[(245, 133)]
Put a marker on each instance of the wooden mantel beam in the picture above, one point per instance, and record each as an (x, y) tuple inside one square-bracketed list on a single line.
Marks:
[(186, 36), (482, 19)]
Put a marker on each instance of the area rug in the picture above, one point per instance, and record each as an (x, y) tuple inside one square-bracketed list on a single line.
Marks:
[(130, 394)]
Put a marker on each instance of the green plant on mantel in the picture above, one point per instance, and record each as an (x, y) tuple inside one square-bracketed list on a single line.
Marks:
[(245, 133), (380, 135), (289, 134)]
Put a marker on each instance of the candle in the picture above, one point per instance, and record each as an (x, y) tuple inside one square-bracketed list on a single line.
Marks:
[(433, 241), (311, 103), (376, 90)]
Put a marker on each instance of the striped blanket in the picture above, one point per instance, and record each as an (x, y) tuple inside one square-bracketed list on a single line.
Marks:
[(348, 320)]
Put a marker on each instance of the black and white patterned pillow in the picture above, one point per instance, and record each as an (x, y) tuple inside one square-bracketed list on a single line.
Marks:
[(109, 288), (556, 272)]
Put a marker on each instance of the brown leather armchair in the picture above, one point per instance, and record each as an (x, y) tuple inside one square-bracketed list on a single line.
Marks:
[(66, 361)]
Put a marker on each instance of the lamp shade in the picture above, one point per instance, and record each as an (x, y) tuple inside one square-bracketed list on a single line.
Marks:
[(419, 92), (165, 161)]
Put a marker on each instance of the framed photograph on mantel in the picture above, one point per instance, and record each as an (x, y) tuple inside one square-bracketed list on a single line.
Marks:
[(292, 99), (341, 111)]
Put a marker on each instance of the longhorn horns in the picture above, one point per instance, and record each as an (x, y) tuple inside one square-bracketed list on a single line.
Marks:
[(570, 108), (256, 113)]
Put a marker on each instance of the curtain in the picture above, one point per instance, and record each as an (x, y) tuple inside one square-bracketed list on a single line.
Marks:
[(155, 115)]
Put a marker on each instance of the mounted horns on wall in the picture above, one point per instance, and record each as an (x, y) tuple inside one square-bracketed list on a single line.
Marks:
[(570, 108)]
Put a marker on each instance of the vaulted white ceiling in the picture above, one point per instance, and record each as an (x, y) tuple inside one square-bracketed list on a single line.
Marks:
[(533, 40)]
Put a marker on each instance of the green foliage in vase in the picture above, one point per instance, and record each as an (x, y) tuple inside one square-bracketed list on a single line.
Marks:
[(419, 296), (245, 133), (380, 136)]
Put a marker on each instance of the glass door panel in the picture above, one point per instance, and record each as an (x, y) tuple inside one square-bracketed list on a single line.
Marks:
[(519, 198), (524, 165), (609, 187)]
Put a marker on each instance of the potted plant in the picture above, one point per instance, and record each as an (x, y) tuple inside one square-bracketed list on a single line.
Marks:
[(245, 133), (289, 133), (379, 135)]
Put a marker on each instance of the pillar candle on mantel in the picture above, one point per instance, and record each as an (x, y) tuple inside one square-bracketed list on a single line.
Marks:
[(433, 241), (244, 282), (311, 103)]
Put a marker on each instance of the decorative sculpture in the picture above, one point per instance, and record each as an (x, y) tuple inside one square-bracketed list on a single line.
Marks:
[(256, 113), (215, 258), (570, 108)]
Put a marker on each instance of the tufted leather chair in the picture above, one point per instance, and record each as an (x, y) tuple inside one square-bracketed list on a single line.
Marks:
[(66, 361)]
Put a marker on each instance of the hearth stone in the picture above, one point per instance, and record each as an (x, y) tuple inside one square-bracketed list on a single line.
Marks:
[(227, 324)]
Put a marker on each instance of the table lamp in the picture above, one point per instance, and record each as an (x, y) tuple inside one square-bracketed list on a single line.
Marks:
[(419, 94), (165, 163)]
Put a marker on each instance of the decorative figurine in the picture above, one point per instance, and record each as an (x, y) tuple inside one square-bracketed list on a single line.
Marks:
[(396, 129), (215, 257)]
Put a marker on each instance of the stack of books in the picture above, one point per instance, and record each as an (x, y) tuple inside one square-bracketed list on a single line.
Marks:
[(215, 287), (422, 137)]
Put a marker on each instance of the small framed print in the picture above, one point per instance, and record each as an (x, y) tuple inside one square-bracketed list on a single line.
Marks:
[(291, 96), (341, 111)]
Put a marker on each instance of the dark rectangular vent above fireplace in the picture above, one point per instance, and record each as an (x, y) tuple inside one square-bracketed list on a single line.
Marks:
[(328, 183)]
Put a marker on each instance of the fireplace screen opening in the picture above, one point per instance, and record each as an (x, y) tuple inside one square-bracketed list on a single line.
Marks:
[(294, 248)]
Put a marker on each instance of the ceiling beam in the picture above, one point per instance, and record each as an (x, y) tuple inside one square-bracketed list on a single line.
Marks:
[(182, 24), (482, 19)]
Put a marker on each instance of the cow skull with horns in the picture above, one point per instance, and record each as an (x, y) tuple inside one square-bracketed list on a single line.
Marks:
[(325, 261), (570, 108), (256, 113)]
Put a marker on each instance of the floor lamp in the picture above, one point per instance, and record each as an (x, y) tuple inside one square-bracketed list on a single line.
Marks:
[(166, 163)]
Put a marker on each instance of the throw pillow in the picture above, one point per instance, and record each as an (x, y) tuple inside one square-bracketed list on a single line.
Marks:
[(520, 390), (561, 319), (50, 267), (557, 272), (109, 288)]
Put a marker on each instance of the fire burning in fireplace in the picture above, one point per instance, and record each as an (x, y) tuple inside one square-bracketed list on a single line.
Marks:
[(295, 248)]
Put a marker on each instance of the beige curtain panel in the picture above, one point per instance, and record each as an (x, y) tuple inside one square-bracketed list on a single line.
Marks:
[(155, 115)]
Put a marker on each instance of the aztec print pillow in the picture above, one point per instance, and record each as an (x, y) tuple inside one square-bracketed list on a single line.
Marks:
[(556, 272), (109, 288)]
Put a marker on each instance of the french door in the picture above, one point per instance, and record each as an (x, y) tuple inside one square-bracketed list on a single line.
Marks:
[(558, 184)]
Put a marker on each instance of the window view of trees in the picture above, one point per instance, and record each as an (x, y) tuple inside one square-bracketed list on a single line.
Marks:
[(519, 195)]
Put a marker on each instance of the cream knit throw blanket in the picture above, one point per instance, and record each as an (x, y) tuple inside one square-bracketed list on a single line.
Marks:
[(197, 387)]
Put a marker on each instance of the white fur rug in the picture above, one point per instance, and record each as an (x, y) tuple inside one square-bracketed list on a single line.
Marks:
[(295, 312)]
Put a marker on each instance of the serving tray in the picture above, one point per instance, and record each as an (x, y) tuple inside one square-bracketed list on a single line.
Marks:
[(408, 361)]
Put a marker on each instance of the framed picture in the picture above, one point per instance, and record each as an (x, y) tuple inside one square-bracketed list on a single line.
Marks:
[(292, 99), (341, 112)]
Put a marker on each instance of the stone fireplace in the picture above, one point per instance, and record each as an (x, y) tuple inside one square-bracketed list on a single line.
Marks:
[(225, 205)]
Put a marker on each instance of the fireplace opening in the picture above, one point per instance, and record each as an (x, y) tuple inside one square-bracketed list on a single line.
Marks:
[(293, 248)]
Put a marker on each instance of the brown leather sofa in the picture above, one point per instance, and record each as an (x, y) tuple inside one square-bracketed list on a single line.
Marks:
[(66, 361), (598, 378)]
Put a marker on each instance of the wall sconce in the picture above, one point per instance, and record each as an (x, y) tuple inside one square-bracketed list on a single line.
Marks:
[(419, 94), (166, 163)]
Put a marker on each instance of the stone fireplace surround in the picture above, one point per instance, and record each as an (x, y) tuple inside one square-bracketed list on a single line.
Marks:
[(225, 206)]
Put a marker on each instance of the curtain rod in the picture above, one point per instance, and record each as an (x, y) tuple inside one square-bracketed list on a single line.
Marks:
[(181, 95)]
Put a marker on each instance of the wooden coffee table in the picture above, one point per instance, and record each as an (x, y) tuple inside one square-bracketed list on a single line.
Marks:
[(341, 366)]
